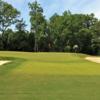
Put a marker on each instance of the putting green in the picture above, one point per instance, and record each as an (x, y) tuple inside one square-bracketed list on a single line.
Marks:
[(48, 76)]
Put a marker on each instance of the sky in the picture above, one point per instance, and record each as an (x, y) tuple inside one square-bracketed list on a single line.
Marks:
[(58, 6)]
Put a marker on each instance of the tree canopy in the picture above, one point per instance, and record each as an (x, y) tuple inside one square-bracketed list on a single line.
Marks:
[(8, 15), (60, 33)]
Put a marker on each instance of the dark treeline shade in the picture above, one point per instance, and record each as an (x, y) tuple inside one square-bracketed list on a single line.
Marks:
[(61, 33)]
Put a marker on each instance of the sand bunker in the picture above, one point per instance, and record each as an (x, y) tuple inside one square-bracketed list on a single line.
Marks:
[(93, 59), (4, 62)]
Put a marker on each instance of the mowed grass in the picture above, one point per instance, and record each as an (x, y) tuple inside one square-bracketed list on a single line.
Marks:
[(48, 76)]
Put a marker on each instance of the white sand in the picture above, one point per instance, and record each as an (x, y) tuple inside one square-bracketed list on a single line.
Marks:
[(93, 59), (4, 62)]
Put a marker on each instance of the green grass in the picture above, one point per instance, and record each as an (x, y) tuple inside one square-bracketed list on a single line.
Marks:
[(48, 76)]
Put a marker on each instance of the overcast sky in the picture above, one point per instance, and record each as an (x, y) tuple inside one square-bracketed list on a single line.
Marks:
[(59, 6)]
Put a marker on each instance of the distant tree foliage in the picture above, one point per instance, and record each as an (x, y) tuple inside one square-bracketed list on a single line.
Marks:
[(79, 33), (8, 15), (37, 22)]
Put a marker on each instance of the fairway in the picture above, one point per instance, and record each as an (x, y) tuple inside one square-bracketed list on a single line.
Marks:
[(48, 76)]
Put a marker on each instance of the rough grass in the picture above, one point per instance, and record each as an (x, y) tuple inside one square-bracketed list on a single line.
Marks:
[(48, 76)]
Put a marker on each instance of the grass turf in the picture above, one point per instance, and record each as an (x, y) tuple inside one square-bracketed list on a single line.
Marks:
[(48, 76)]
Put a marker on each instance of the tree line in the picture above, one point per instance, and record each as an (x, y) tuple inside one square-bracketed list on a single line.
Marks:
[(61, 33)]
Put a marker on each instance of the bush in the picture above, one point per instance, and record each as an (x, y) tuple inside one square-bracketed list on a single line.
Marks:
[(67, 48)]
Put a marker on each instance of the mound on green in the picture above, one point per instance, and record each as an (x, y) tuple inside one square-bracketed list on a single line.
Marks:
[(48, 76)]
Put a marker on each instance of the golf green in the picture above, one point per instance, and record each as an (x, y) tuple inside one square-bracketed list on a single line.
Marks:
[(48, 76)]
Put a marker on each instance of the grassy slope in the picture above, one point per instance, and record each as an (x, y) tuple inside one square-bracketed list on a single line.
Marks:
[(48, 76)]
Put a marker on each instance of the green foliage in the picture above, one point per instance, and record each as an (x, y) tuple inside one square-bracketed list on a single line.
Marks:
[(8, 15), (60, 33), (31, 41), (19, 41), (96, 38), (67, 48), (1, 43), (20, 25), (84, 40), (37, 20), (5, 39)]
